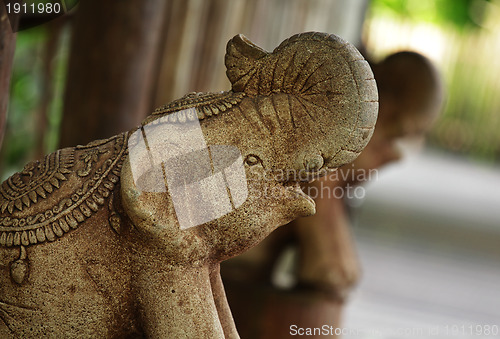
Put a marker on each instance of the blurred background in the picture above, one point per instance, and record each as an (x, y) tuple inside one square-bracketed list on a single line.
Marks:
[(428, 229)]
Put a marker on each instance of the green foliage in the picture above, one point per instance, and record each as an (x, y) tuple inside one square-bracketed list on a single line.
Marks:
[(461, 14), (25, 100), (470, 123)]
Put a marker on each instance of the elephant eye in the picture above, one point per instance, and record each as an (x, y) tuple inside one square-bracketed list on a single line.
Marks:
[(252, 160), (314, 163)]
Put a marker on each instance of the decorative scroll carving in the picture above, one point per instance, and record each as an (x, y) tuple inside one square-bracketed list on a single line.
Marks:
[(37, 180), (207, 104), (72, 201)]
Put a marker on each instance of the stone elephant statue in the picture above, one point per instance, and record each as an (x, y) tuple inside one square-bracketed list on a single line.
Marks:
[(122, 238)]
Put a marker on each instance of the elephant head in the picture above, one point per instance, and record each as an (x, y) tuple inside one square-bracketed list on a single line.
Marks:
[(219, 171)]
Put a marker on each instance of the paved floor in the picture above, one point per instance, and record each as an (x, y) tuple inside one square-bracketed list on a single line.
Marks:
[(407, 289), (428, 236)]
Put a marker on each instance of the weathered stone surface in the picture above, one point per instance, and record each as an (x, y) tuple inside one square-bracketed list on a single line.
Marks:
[(104, 240)]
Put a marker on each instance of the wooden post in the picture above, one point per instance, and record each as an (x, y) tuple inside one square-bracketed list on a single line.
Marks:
[(7, 48), (112, 68)]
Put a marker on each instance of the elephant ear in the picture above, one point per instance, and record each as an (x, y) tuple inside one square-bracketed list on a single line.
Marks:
[(242, 64), (305, 64), (317, 81), (330, 77)]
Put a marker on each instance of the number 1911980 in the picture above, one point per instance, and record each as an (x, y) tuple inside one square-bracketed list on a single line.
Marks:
[(39, 8)]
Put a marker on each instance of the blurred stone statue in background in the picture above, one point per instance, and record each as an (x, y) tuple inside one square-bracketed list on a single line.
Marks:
[(318, 251)]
